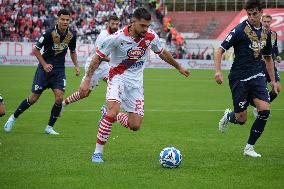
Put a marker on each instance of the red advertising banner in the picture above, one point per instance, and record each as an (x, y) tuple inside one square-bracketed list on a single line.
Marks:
[(277, 22)]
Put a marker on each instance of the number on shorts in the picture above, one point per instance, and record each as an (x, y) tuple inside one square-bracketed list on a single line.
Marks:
[(139, 105)]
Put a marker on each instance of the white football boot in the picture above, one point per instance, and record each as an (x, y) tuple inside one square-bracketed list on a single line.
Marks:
[(223, 123), (49, 130), (249, 151), (9, 124), (97, 158)]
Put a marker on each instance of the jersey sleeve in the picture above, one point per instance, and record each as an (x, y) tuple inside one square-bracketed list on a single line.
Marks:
[(231, 39), (156, 45), (107, 45), (72, 44), (43, 41), (275, 47), (267, 49)]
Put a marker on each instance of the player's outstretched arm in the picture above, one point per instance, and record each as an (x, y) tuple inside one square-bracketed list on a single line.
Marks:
[(167, 57), (217, 62), (85, 85), (46, 67), (270, 69), (75, 62)]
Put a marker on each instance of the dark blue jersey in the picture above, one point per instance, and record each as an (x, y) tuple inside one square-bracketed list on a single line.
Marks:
[(55, 45), (249, 44), (275, 51)]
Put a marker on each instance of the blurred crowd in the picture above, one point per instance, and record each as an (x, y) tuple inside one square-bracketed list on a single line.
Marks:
[(26, 20)]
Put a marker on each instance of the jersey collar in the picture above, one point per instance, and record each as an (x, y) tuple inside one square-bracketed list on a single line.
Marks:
[(126, 33)]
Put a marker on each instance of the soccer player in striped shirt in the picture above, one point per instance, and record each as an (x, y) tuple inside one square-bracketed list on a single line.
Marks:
[(129, 48)]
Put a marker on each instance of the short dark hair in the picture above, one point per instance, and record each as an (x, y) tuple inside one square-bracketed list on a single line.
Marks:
[(64, 12), (142, 13), (253, 4), (267, 16), (113, 17)]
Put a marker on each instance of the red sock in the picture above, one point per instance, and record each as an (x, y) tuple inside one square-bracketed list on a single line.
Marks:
[(122, 118), (104, 129), (72, 98)]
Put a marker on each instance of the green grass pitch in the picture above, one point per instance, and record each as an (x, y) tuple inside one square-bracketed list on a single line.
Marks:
[(180, 112)]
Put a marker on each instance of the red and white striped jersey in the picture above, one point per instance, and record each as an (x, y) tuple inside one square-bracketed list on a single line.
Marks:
[(128, 55), (103, 35)]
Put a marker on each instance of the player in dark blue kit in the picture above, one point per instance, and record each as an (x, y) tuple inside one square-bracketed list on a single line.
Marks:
[(50, 72), (266, 22), (247, 80)]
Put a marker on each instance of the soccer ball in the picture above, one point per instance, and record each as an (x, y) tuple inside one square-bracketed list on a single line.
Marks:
[(170, 157)]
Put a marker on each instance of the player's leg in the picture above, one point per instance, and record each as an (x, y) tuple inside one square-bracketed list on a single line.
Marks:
[(115, 90), (2, 107), (24, 105), (133, 103), (38, 86), (74, 97), (261, 101), (104, 130), (134, 121), (272, 94), (55, 111), (240, 102), (57, 84)]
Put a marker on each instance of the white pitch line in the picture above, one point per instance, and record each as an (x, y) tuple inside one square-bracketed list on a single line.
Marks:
[(147, 110)]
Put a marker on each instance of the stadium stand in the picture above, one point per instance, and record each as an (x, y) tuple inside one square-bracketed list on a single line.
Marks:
[(208, 27), (25, 20)]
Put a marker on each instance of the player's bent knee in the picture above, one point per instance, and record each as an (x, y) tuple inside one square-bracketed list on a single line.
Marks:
[(264, 114), (58, 100), (134, 127), (33, 100), (241, 123), (242, 119)]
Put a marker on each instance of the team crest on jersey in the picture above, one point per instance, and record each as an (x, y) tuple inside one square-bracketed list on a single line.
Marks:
[(147, 42), (136, 53)]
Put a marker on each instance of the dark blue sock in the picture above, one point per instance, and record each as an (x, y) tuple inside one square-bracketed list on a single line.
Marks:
[(22, 107), (55, 112), (258, 126), (272, 95), (232, 118)]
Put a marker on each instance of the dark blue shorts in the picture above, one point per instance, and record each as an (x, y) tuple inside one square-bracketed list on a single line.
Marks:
[(277, 77), (56, 79), (243, 92)]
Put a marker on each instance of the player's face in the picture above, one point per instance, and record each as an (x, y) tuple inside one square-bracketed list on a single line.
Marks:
[(113, 26), (266, 22), (63, 22), (254, 16), (141, 26)]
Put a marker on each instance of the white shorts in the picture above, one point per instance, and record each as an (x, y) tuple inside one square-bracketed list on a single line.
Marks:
[(131, 99), (100, 73)]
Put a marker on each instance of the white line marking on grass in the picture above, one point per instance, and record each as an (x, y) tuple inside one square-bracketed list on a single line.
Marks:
[(147, 110)]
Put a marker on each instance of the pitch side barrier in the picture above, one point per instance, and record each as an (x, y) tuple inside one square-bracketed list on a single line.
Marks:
[(20, 54)]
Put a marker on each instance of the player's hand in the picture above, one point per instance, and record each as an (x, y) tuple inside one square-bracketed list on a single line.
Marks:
[(278, 59), (278, 86), (219, 77), (84, 87), (274, 87), (184, 71), (77, 70), (47, 67)]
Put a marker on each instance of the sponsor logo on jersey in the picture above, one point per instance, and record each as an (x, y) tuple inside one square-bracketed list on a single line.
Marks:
[(136, 53)]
